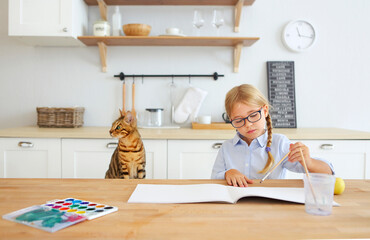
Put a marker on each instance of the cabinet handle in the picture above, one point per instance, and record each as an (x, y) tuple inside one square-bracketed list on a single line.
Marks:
[(217, 145), (65, 29), (25, 144), (112, 145), (327, 146)]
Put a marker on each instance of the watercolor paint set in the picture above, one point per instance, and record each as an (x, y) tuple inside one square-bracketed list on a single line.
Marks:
[(44, 218), (58, 214), (85, 208)]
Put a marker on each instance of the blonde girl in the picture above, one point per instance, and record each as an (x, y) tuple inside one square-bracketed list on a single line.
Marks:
[(250, 154)]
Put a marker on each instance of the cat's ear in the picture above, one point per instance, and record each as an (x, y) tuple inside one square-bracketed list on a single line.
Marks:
[(121, 113), (128, 117)]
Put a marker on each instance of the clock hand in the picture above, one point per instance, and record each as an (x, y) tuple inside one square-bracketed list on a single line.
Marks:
[(298, 32), (306, 36)]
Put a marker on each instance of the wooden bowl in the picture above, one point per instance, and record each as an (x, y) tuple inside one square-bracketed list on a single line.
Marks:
[(136, 29)]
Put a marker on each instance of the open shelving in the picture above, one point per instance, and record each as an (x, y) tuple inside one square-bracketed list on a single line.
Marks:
[(238, 4), (236, 42)]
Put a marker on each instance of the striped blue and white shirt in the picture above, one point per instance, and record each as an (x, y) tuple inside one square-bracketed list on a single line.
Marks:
[(249, 160)]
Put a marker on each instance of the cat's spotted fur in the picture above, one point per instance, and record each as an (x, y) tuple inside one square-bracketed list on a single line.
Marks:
[(128, 160)]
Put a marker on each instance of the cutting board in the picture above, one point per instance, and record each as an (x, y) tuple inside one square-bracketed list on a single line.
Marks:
[(213, 125)]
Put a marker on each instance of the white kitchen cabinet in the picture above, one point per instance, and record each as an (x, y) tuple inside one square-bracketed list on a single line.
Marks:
[(48, 22), (192, 159), (350, 158), (90, 158), (30, 158)]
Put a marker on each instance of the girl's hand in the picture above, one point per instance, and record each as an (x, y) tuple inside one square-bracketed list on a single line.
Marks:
[(295, 154), (313, 165), (236, 178)]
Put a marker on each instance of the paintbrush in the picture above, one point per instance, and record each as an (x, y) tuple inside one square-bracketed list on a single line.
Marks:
[(272, 169), (309, 180)]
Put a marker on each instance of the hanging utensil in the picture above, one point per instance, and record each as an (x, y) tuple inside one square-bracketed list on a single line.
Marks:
[(133, 98), (123, 97), (172, 88)]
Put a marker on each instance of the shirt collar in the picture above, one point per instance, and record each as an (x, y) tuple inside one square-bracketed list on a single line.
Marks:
[(237, 138), (261, 140)]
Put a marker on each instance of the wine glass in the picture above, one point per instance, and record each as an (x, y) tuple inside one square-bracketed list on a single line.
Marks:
[(218, 20), (198, 20)]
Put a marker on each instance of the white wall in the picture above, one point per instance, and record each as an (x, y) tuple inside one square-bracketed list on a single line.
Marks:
[(332, 80)]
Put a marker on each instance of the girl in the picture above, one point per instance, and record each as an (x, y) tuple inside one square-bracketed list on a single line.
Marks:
[(249, 155)]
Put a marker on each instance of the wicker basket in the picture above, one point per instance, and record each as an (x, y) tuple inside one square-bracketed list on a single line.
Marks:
[(60, 117)]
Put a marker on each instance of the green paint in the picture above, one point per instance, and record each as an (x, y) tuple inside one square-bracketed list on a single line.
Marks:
[(49, 218)]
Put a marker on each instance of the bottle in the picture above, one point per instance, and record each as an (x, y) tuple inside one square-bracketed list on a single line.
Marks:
[(116, 22)]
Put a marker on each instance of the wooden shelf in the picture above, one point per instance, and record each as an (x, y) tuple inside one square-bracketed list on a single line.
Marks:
[(168, 41), (237, 3), (171, 2), (236, 42)]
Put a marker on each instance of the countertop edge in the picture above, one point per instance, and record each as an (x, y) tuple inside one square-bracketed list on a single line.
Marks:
[(179, 134)]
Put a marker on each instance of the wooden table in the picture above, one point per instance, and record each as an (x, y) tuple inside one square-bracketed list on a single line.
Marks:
[(250, 218)]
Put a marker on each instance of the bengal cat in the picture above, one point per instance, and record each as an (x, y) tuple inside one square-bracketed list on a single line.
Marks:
[(128, 160)]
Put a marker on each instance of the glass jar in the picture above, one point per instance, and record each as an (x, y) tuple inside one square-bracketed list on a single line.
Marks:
[(101, 28), (154, 116)]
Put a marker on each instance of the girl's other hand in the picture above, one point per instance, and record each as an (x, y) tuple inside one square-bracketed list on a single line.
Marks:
[(295, 154), (236, 178)]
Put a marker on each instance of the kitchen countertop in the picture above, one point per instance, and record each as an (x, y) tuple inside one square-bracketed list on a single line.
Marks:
[(181, 133), (249, 218)]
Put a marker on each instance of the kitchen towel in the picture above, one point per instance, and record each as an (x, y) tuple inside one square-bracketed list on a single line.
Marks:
[(189, 105)]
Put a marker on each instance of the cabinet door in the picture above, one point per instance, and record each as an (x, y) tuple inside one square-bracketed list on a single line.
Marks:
[(30, 158), (350, 158), (156, 159), (40, 17), (48, 22), (90, 158), (86, 158), (192, 159)]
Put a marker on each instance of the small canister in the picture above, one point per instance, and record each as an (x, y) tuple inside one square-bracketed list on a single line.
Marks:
[(154, 116), (101, 28)]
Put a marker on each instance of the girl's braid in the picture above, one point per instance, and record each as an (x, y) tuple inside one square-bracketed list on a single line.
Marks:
[(270, 160)]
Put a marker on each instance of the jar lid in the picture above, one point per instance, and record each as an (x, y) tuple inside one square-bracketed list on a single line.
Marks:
[(154, 109), (101, 21)]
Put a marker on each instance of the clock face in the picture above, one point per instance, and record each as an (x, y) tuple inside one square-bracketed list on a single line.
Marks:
[(299, 35)]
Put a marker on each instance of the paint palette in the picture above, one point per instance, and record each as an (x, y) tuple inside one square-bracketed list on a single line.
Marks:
[(44, 218), (90, 210)]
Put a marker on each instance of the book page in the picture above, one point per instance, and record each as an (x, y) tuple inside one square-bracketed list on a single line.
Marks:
[(285, 194), (156, 193)]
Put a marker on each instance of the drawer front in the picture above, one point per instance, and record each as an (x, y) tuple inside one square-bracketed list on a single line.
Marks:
[(30, 158), (192, 159), (349, 157)]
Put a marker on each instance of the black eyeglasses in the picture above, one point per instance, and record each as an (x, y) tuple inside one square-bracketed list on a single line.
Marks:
[(252, 118)]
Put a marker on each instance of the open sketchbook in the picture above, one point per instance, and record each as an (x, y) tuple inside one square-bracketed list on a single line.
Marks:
[(155, 193)]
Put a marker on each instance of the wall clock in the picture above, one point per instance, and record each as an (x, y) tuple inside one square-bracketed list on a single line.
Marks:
[(299, 35)]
